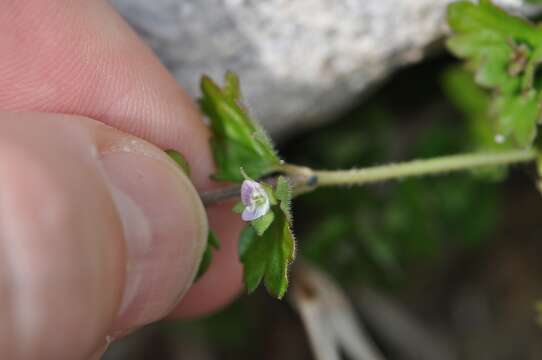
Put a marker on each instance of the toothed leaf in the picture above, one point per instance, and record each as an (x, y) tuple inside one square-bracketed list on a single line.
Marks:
[(281, 255), (237, 140), (267, 246), (267, 256)]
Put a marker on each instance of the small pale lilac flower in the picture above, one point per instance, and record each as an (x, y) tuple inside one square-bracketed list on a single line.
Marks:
[(256, 200)]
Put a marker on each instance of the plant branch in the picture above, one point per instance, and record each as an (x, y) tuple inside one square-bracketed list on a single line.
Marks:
[(432, 166), (304, 179), (215, 196)]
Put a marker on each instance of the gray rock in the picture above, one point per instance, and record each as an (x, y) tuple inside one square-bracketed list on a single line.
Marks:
[(300, 61)]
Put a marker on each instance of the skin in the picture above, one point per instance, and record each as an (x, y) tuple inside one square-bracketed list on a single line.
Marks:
[(100, 232)]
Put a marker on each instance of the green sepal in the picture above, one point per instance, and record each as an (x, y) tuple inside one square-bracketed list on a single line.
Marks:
[(212, 243), (270, 193), (237, 140), (262, 223), (238, 208), (180, 160), (283, 192)]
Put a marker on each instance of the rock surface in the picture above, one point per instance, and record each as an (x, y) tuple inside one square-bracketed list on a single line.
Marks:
[(300, 61)]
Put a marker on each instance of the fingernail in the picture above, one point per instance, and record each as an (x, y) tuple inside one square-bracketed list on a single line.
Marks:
[(165, 228)]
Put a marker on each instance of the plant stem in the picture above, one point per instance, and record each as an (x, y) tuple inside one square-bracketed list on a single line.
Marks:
[(304, 179), (215, 196), (432, 166)]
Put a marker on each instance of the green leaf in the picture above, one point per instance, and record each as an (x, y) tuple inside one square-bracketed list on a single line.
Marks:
[(237, 139), (180, 160), (261, 224), (246, 241), (252, 252), (505, 52), (212, 243), (281, 255), (267, 256), (464, 94), (518, 115)]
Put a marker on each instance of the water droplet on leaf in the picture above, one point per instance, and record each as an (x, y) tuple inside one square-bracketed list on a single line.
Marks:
[(499, 138)]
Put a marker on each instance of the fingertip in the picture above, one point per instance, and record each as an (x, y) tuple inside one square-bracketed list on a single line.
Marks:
[(165, 229), (223, 281), (90, 217)]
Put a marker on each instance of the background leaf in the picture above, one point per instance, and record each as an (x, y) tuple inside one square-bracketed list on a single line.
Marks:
[(474, 103), (505, 53)]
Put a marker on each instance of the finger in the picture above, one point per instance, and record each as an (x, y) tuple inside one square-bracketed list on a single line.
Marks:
[(79, 57), (100, 233), (197, 302)]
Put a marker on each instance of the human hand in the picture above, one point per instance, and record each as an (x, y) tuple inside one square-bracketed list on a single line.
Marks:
[(70, 277)]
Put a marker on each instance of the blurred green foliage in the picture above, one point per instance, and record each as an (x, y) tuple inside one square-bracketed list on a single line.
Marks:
[(474, 104), (504, 52)]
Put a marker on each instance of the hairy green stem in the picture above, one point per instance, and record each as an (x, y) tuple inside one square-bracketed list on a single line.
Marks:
[(304, 179), (432, 166)]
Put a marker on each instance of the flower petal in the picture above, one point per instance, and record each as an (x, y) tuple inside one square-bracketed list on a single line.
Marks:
[(247, 188), (250, 213), (254, 212)]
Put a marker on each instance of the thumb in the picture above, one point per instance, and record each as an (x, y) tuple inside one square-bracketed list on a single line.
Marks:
[(99, 233)]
